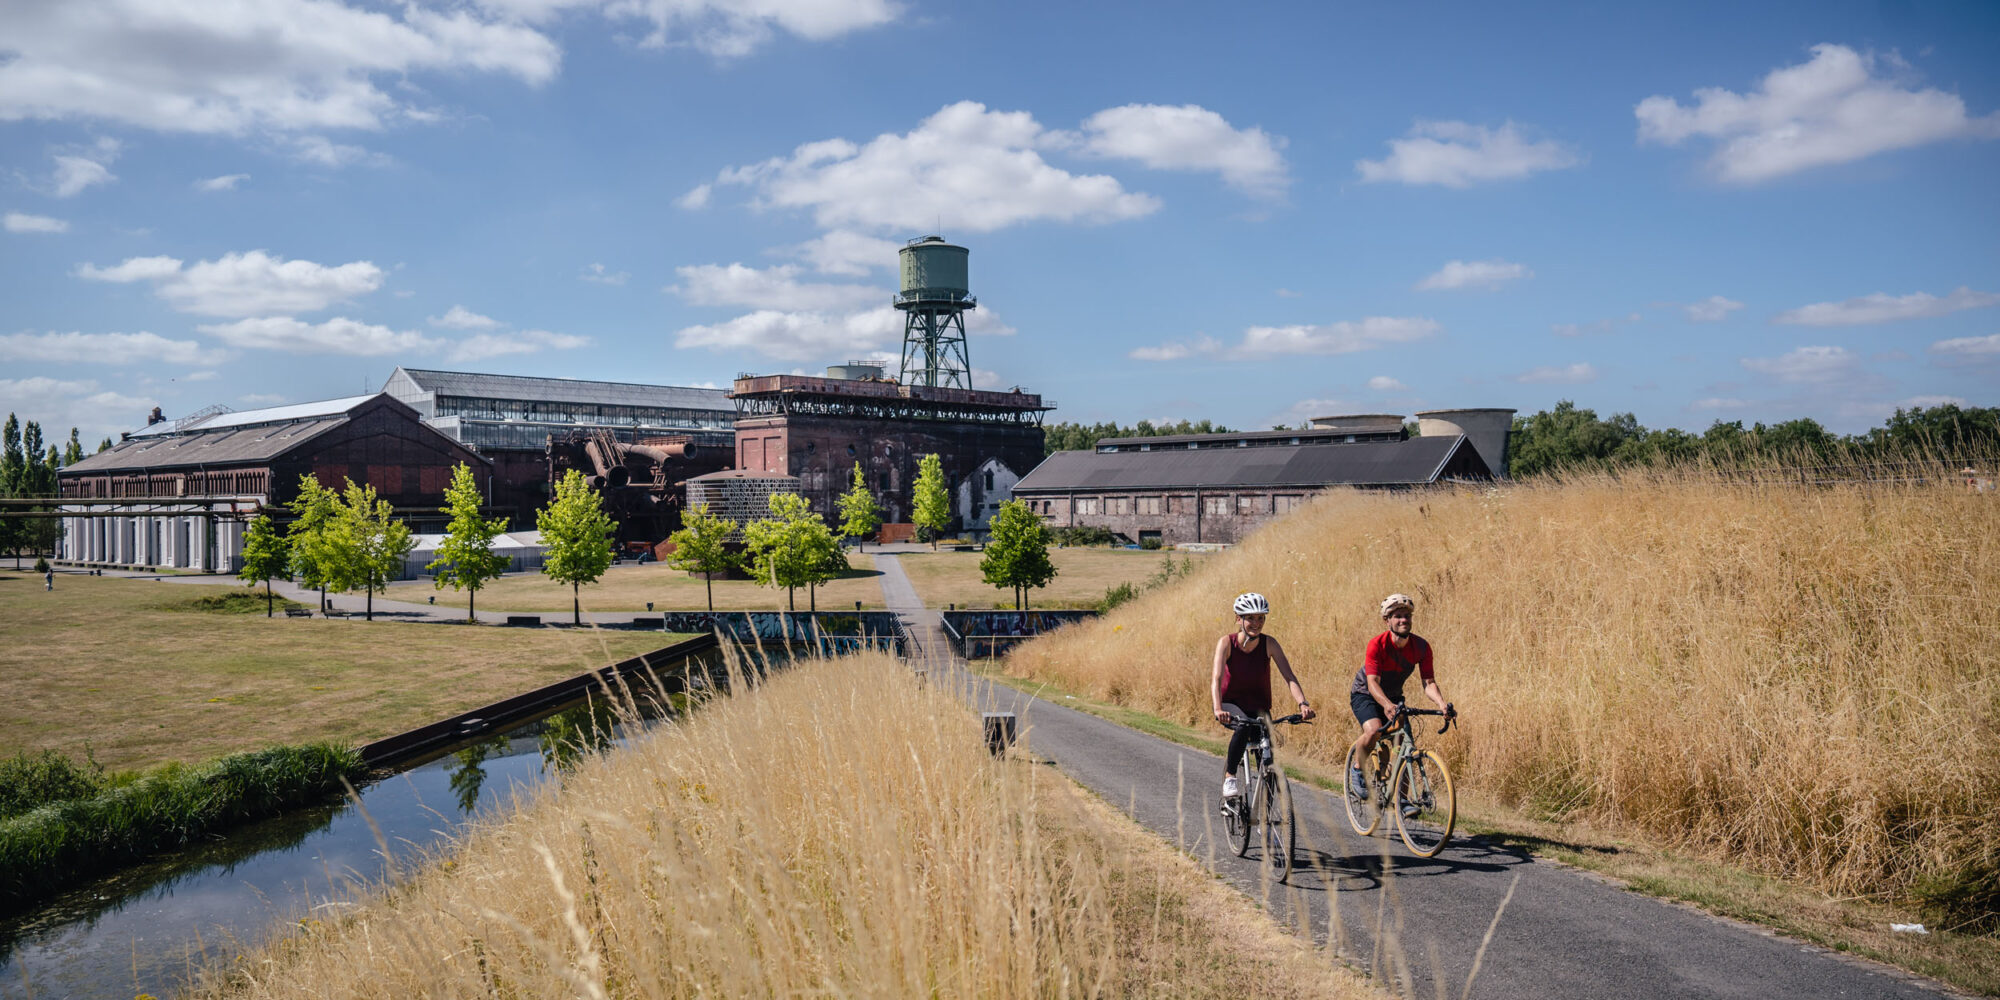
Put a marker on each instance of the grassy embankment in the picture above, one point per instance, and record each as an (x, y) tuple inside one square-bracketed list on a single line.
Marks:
[(128, 669), (839, 830), (629, 587), (1082, 576), (1805, 683)]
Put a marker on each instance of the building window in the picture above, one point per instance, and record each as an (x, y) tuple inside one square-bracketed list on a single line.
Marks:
[(1287, 504), (1215, 505), (1149, 505), (1087, 505), (1249, 505), (989, 479), (883, 480), (1118, 506)]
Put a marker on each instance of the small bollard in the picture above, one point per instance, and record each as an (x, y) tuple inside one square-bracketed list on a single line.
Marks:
[(999, 731), (649, 605), (434, 598)]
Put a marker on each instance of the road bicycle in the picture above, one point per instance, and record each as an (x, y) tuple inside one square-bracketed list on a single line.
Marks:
[(1412, 783), (1262, 814)]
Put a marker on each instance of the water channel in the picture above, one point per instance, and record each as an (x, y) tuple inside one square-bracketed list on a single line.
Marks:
[(144, 929)]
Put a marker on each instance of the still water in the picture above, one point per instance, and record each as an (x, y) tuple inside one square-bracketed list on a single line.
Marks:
[(144, 929)]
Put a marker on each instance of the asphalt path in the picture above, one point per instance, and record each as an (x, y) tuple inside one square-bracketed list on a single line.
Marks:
[(1419, 925)]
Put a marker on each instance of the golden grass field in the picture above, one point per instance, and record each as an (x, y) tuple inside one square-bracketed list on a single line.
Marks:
[(1082, 576), (839, 831), (628, 588), (107, 663), (1802, 681)]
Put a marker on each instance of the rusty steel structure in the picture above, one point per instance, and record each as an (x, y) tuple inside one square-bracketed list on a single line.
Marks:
[(643, 482)]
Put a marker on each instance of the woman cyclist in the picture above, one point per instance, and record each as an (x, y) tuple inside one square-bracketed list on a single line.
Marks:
[(1378, 686), (1239, 687)]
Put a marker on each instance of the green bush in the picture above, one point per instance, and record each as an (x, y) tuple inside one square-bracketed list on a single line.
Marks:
[(165, 808), (231, 602), (30, 781), (1114, 596), (1084, 536), (1150, 542)]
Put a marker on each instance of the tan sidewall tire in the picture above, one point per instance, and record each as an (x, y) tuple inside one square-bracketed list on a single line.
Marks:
[(1447, 799)]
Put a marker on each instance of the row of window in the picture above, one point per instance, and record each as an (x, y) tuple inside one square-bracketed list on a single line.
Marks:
[(1244, 503)]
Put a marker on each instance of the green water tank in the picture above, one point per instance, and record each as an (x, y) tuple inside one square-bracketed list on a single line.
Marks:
[(934, 269)]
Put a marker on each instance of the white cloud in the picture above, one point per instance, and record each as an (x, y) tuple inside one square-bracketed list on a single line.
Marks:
[(245, 284), (1601, 326), (1575, 374), (226, 182), (1286, 293), (1457, 155), (1884, 308), (260, 399), (1176, 350), (21, 222), (1305, 410), (207, 375), (977, 170), (846, 252), (1474, 274), (1189, 137), (320, 151), (335, 336), (798, 336), (1383, 383), (1986, 346), (1818, 365), (1831, 109), (75, 173), (461, 318), (494, 345), (696, 198), (776, 288), (596, 274), (59, 403), (1345, 337), (269, 65), (1874, 412), (104, 348), (730, 28), (1713, 309)]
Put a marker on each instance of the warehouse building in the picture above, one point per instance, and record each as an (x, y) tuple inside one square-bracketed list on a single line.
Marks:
[(179, 493)]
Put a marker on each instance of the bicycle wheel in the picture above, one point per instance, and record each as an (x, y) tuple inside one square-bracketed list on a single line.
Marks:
[(1426, 806), (1364, 812), (1280, 832), (1241, 822)]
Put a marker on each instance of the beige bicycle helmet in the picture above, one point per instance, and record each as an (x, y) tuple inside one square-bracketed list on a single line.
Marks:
[(1394, 601)]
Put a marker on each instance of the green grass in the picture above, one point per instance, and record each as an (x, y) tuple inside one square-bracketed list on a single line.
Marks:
[(630, 587), (233, 602), (1083, 575)]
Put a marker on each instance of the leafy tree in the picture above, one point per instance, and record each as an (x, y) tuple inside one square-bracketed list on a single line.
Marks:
[(1084, 437), (859, 513), (72, 451), (699, 546), (264, 556), (309, 537), (1017, 554), (793, 548), (465, 558), (1567, 437), (13, 465), (933, 505), (369, 542), (577, 534), (103, 446)]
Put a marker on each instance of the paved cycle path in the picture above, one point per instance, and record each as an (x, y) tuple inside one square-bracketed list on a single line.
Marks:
[(1417, 924)]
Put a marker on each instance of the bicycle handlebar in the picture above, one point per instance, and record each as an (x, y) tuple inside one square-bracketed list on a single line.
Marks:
[(1449, 717), (1289, 720)]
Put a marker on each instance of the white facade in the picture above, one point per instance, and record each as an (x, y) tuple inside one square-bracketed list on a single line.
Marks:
[(169, 537)]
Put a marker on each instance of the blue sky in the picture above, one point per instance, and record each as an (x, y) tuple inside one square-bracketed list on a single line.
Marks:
[(1254, 214)]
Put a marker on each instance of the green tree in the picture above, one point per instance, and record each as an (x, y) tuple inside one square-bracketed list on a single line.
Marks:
[(793, 548), (700, 546), (309, 537), (859, 514), (577, 535), (465, 558), (1567, 437), (369, 542), (264, 556), (73, 450), (103, 446), (933, 505), (1017, 553), (13, 469)]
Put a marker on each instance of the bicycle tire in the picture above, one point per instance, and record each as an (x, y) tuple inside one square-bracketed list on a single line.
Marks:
[(1280, 829), (1364, 813), (1422, 780), (1243, 825)]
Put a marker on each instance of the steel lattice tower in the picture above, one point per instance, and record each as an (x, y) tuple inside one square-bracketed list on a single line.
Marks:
[(934, 300)]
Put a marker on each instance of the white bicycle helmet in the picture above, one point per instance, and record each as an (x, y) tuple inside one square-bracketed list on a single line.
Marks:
[(1252, 604), (1394, 601)]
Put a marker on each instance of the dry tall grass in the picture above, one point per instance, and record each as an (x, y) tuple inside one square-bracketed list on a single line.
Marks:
[(1803, 680), (838, 831)]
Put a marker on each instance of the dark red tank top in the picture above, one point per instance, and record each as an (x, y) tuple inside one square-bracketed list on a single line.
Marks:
[(1246, 677)]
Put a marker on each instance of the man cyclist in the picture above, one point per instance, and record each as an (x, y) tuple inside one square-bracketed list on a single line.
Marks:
[(1239, 686), (1378, 686)]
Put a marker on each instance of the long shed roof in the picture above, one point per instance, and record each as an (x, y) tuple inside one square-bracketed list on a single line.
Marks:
[(473, 385), (1384, 463)]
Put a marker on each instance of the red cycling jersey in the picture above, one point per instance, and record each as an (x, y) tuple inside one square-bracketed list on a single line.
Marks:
[(1392, 666)]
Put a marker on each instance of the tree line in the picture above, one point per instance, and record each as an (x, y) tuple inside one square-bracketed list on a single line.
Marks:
[(1083, 437), (28, 472), (1573, 437)]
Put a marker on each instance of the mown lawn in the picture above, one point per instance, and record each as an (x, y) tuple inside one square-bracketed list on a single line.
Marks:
[(1082, 576), (629, 587), (130, 670)]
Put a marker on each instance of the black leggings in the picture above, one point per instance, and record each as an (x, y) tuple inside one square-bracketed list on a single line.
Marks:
[(1239, 740)]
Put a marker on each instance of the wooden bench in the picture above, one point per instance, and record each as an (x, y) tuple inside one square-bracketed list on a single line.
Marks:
[(298, 612), (525, 621)]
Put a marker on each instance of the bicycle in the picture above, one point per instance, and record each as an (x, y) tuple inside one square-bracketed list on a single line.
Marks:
[(1265, 807), (1415, 783)]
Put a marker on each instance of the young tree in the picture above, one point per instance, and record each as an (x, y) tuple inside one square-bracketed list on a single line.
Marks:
[(577, 534), (699, 546), (859, 514), (933, 504), (13, 467), (793, 548), (104, 445), (465, 559), (264, 556), (369, 542), (73, 450), (1017, 554), (309, 538)]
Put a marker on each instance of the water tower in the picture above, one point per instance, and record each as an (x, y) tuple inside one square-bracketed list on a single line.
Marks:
[(934, 301)]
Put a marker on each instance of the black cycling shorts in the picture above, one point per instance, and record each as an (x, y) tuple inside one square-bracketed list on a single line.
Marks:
[(1365, 708)]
